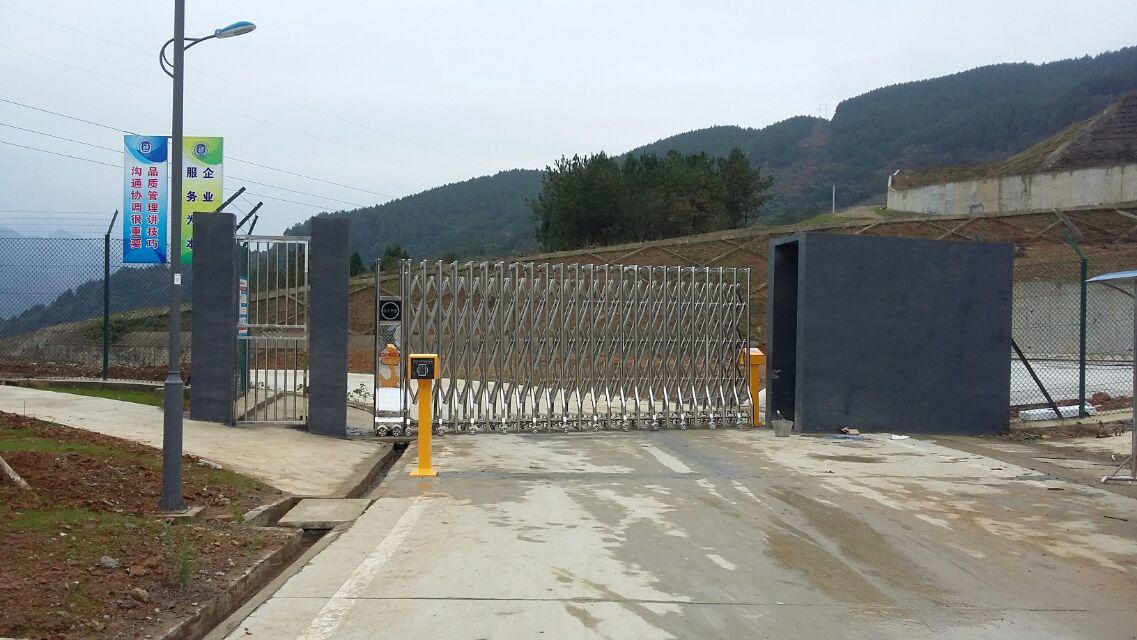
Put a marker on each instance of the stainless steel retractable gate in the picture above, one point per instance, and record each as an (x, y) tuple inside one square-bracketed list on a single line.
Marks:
[(272, 330), (567, 347)]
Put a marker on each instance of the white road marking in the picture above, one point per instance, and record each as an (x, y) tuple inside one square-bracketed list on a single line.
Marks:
[(326, 622), (667, 460), (722, 562), (744, 490), (710, 487)]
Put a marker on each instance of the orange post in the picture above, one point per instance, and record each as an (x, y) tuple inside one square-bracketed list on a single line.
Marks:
[(424, 470), (755, 361), (424, 368)]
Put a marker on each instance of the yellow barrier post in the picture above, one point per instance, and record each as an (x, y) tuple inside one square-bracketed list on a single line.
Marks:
[(425, 369), (755, 361)]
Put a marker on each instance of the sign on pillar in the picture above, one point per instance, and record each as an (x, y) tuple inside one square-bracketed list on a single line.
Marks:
[(201, 184)]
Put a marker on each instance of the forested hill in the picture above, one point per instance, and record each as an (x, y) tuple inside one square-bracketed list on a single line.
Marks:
[(981, 115), (486, 216)]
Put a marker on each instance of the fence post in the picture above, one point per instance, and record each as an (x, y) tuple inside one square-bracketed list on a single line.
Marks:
[(107, 298), (1083, 268), (1082, 338)]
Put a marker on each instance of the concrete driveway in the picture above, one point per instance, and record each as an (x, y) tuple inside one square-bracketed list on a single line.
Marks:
[(717, 534)]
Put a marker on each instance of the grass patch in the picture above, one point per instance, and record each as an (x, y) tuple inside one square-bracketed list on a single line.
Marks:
[(230, 480), (181, 559), (14, 439), (52, 519), (152, 398)]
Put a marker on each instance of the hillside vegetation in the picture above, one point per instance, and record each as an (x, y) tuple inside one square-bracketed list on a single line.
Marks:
[(485, 216), (597, 200), (981, 115), (976, 116)]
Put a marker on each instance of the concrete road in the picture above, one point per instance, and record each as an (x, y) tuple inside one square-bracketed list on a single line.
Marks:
[(717, 534)]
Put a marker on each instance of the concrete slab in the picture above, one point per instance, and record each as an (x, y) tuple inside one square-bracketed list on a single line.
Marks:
[(289, 459), (725, 534), (323, 513)]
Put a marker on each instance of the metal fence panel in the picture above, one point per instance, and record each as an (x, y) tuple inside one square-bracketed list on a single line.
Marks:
[(51, 310), (566, 347), (1047, 326), (273, 339)]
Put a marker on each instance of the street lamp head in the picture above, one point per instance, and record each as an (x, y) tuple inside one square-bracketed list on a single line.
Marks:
[(235, 29)]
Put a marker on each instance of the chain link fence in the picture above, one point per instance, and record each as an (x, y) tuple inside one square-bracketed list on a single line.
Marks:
[(1077, 339), (52, 304), (53, 296)]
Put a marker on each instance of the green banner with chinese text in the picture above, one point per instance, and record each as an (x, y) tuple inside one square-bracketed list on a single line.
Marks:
[(201, 184)]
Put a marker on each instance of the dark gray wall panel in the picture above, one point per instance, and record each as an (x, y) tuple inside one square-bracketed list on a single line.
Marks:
[(901, 334), (781, 329), (214, 337), (328, 275)]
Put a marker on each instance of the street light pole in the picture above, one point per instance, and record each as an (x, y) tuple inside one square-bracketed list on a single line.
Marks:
[(172, 406), (174, 389)]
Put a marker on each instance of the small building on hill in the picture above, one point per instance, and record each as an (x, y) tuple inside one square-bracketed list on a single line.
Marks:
[(1092, 164)]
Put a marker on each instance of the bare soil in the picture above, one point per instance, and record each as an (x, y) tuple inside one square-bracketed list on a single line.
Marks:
[(66, 370), (83, 553)]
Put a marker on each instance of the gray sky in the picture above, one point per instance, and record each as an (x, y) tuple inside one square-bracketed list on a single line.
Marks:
[(397, 97)]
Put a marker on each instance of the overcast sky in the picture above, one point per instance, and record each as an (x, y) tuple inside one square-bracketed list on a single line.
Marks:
[(396, 97)]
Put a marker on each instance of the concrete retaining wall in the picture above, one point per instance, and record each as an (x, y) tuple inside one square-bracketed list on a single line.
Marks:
[(1044, 320), (1091, 187)]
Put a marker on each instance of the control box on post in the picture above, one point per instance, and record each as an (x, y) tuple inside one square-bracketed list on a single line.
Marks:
[(423, 366)]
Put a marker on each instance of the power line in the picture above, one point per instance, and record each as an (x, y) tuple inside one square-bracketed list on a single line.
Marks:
[(50, 211), (303, 204), (114, 166), (240, 85), (208, 105), (51, 135), (56, 153), (337, 184), (64, 115), (242, 160), (263, 184), (303, 193)]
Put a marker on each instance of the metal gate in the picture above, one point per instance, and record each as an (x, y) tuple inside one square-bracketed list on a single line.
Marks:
[(578, 347), (272, 330)]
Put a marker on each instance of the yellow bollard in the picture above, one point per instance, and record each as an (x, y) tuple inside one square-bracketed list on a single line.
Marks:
[(756, 376), (425, 369)]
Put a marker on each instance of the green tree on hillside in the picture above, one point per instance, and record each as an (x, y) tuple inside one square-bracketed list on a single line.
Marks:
[(597, 200), (392, 253), (356, 267)]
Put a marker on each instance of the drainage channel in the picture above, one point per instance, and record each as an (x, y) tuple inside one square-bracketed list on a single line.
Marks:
[(321, 521)]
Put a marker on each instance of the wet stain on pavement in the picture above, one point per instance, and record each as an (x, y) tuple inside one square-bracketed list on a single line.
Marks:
[(846, 458), (580, 613), (860, 543)]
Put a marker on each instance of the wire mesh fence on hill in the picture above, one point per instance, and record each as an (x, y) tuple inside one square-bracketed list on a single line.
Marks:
[(51, 304), (1071, 357), (52, 300)]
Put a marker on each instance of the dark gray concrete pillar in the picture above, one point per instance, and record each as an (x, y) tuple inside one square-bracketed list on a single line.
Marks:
[(327, 342), (214, 337)]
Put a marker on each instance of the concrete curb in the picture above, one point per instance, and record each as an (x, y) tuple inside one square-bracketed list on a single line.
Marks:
[(267, 514), (48, 383), (238, 615), (380, 463), (248, 585), (245, 597)]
